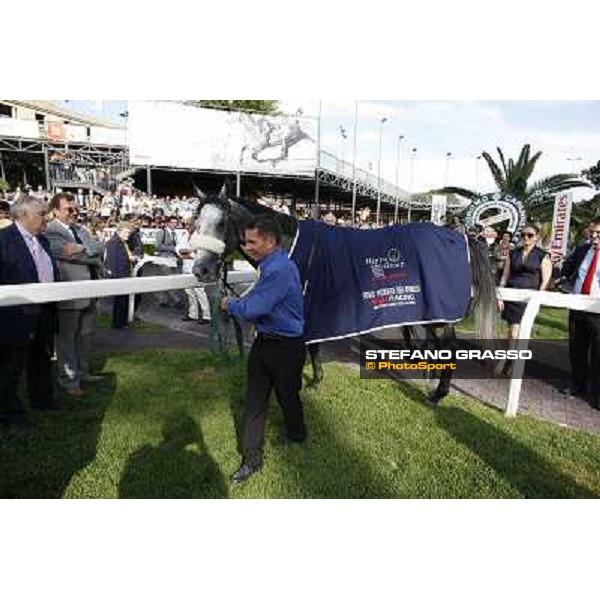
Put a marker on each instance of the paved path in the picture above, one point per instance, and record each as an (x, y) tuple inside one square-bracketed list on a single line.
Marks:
[(538, 398)]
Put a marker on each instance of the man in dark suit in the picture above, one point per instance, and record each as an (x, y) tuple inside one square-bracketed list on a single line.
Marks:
[(166, 247), (581, 271), (26, 331), (136, 247)]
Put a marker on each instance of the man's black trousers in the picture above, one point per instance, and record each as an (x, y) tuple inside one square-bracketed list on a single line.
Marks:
[(584, 352), (274, 363), (120, 313), (33, 357)]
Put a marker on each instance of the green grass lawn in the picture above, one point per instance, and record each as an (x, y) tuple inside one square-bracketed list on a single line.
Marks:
[(550, 324), (165, 424), (104, 321)]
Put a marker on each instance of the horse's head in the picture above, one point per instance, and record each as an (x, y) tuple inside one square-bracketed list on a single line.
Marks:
[(215, 236)]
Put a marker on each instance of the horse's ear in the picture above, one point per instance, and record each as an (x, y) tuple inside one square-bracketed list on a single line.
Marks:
[(198, 192)]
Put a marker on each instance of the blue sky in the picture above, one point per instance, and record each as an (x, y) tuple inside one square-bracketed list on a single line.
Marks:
[(565, 131)]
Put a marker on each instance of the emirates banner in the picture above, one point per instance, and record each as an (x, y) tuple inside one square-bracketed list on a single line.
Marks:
[(171, 134), (561, 223)]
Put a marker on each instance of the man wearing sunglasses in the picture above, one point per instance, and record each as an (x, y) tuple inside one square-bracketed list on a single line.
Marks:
[(78, 255), (581, 268)]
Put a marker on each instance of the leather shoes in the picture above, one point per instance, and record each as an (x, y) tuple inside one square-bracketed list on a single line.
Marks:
[(93, 379), (572, 391), (17, 419), (50, 406), (245, 472), (187, 319), (75, 392)]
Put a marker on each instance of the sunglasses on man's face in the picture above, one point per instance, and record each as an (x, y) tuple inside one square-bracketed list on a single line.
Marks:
[(526, 234)]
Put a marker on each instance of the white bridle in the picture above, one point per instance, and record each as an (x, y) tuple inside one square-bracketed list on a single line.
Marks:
[(199, 241)]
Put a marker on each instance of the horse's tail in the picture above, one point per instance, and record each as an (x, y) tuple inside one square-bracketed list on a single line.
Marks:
[(484, 307)]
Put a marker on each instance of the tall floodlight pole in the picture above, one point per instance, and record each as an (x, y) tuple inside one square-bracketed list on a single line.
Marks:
[(238, 175), (477, 159), (379, 169), (344, 136), (400, 138), (447, 168), (354, 164), (413, 153), (317, 202), (573, 161)]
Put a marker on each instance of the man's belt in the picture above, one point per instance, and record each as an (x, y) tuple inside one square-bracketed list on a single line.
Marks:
[(276, 336)]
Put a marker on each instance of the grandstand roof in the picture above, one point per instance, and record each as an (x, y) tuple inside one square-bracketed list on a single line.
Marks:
[(47, 106)]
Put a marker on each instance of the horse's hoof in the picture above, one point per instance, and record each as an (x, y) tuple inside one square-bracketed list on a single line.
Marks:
[(432, 401)]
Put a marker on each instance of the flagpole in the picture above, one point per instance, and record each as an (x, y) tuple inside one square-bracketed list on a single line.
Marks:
[(317, 201), (354, 164)]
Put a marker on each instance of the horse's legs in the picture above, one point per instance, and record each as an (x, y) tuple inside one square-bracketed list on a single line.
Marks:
[(444, 342), (407, 334), (314, 351), (239, 336)]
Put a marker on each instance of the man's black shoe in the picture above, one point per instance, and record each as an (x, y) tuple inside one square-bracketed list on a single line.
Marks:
[(50, 406), (204, 321), (18, 420), (572, 391), (245, 472)]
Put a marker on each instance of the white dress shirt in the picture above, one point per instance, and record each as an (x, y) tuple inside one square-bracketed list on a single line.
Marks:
[(43, 263), (183, 243), (583, 269)]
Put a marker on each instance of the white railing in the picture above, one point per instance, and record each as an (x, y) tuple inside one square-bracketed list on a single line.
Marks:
[(35, 293), (535, 300)]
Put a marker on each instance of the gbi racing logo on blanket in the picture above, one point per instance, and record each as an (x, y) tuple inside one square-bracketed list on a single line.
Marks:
[(389, 280), (392, 261), (394, 255)]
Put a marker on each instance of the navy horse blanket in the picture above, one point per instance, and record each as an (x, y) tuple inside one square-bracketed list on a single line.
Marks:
[(356, 281)]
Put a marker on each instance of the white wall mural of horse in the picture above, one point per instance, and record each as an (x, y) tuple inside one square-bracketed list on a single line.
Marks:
[(170, 134)]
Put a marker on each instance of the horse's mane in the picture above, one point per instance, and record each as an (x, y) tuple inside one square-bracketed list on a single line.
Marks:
[(287, 223)]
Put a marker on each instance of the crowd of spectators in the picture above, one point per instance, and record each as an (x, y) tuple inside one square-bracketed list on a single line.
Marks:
[(74, 237)]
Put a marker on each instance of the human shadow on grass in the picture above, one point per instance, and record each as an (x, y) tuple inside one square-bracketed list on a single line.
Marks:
[(325, 466), (179, 467), (523, 468), (39, 461)]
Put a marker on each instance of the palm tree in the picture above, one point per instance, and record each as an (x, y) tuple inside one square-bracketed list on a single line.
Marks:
[(513, 179)]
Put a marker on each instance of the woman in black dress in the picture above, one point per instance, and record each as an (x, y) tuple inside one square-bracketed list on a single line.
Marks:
[(527, 268)]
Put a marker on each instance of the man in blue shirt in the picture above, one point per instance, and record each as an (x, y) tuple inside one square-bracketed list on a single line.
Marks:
[(276, 307)]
